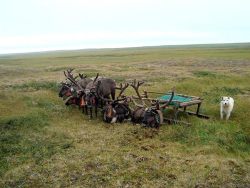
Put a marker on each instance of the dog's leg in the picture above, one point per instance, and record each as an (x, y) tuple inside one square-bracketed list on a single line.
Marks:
[(228, 115), (221, 113)]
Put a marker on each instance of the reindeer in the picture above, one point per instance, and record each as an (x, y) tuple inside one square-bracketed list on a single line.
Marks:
[(149, 116), (91, 97), (106, 87), (98, 89), (83, 82), (65, 90), (75, 92), (138, 113), (117, 110)]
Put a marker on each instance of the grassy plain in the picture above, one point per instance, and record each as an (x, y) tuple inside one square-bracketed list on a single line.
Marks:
[(43, 143)]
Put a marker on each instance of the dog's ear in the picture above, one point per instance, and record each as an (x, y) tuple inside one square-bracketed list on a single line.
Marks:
[(228, 97), (222, 98)]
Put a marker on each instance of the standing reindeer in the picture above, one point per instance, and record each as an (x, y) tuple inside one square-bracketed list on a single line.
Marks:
[(98, 89), (106, 87), (83, 82), (65, 90), (75, 93)]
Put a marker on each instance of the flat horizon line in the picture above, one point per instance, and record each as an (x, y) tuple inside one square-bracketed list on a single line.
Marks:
[(119, 47)]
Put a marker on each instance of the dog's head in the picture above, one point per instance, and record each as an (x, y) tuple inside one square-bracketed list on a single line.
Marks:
[(225, 101)]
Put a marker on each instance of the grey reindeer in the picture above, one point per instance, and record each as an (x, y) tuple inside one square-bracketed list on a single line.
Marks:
[(96, 90)]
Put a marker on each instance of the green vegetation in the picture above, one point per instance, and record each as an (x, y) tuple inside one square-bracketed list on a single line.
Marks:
[(43, 143), (36, 85)]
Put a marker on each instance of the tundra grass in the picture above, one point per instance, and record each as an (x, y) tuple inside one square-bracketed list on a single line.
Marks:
[(43, 143)]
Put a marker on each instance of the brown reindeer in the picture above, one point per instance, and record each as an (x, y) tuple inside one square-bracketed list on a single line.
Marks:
[(117, 110), (149, 116), (75, 92)]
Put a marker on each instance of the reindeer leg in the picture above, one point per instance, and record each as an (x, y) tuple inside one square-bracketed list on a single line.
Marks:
[(113, 94), (87, 110), (96, 107), (91, 113), (101, 104), (83, 109), (79, 104), (95, 110)]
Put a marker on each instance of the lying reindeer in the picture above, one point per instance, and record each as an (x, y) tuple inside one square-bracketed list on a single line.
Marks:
[(149, 116), (117, 110)]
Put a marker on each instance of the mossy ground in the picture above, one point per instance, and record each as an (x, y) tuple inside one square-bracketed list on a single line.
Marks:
[(43, 143)]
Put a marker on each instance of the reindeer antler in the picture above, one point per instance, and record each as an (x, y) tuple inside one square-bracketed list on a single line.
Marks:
[(69, 73), (122, 87), (97, 75), (81, 76), (70, 70), (170, 100), (136, 84), (71, 78)]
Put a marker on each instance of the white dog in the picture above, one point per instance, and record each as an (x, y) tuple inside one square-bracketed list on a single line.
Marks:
[(226, 107)]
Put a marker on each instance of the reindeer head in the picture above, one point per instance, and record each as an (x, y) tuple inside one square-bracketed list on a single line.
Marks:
[(72, 100), (64, 89), (90, 97), (109, 113), (152, 118)]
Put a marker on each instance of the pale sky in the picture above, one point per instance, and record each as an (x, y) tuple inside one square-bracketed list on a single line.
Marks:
[(41, 25)]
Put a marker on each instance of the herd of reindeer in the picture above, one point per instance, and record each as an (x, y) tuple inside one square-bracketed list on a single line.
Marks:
[(91, 94)]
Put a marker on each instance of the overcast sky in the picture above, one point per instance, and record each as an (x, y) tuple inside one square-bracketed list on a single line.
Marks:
[(38, 25)]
